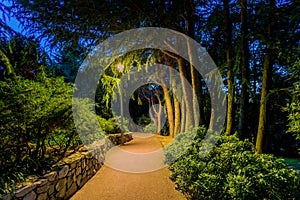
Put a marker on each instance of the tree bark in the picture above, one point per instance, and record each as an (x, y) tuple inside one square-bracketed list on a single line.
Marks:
[(190, 27), (176, 103), (263, 103), (169, 109), (183, 115), (189, 121), (230, 75), (158, 114), (268, 65), (244, 99)]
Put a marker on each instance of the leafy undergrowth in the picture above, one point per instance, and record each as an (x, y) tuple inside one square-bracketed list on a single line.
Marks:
[(232, 171)]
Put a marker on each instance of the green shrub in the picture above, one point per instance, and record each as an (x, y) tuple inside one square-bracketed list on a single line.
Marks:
[(294, 113), (87, 123), (110, 125), (144, 120), (232, 171), (150, 128), (36, 127), (181, 143)]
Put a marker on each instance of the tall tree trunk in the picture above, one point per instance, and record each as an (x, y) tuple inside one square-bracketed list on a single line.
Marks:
[(177, 116), (195, 91), (190, 27), (122, 115), (200, 98), (169, 108), (168, 103), (263, 102), (230, 75), (155, 113), (186, 95), (183, 115), (268, 65), (158, 114), (242, 126), (176, 102)]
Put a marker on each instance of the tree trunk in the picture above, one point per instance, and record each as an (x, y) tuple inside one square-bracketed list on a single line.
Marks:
[(158, 114), (176, 103), (169, 108), (122, 115), (263, 103), (177, 116), (186, 95), (268, 65), (155, 113), (183, 115), (200, 98), (242, 126), (190, 27), (230, 75)]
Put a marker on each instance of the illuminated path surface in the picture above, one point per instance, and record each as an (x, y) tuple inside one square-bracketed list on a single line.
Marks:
[(114, 182)]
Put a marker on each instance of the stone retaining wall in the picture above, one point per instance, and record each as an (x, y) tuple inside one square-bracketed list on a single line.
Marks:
[(70, 174)]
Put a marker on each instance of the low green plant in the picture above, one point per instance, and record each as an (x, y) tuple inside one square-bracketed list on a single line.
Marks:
[(181, 143), (109, 126), (144, 120), (233, 171), (150, 128)]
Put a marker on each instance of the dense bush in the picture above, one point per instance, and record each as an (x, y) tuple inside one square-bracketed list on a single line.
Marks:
[(182, 142), (110, 125), (294, 112), (150, 128), (232, 171), (33, 115), (36, 127)]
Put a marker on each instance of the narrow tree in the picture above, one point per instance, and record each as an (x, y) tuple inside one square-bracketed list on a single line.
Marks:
[(242, 126), (268, 65), (230, 75)]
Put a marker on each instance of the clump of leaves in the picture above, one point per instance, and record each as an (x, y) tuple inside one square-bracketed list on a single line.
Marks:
[(233, 171), (182, 143), (109, 126), (294, 112)]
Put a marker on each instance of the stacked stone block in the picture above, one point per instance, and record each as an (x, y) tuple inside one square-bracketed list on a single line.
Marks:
[(70, 174)]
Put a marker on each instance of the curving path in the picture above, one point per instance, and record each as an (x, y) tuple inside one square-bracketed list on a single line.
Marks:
[(134, 171)]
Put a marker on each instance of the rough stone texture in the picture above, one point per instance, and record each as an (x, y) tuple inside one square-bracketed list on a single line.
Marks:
[(60, 184), (70, 181), (78, 171), (71, 190), (51, 189), (51, 176), (71, 173), (42, 196), (43, 188), (78, 181), (25, 190), (63, 172), (61, 194), (30, 196)]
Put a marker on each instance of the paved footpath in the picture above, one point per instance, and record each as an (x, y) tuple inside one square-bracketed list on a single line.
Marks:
[(134, 171)]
